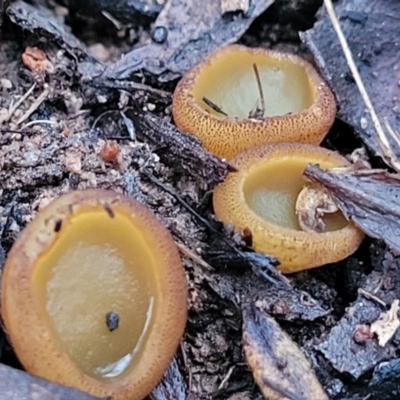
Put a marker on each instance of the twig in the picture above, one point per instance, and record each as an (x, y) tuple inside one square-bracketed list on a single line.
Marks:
[(21, 100), (274, 276), (128, 86), (387, 152), (214, 106), (258, 112), (189, 253), (34, 106), (38, 121), (187, 366), (226, 378), (370, 296), (99, 117)]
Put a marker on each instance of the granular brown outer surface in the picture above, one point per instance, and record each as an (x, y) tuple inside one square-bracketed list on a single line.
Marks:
[(226, 137)]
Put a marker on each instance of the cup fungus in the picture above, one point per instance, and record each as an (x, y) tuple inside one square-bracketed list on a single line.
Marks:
[(93, 295), (238, 98), (262, 195)]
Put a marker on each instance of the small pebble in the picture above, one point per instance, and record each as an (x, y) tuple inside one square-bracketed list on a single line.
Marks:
[(160, 34), (6, 83)]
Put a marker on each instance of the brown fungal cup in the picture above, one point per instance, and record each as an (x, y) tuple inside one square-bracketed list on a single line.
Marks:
[(298, 105), (93, 295), (261, 197)]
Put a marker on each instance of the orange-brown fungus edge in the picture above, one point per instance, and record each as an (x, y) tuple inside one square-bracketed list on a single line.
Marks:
[(229, 136), (33, 340), (296, 250)]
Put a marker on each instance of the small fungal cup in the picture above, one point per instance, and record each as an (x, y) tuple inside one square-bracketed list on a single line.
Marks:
[(93, 295), (261, 197), (238, 98)]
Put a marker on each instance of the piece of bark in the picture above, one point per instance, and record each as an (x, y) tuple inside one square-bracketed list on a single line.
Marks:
[(289, 304), (191, 32), (42, 22), (384, 384), (18, 385), (369, 198), (359, 351), (178, 149), (279, 367), (372, 30), (124, 11), (39, 20), (354, 356)]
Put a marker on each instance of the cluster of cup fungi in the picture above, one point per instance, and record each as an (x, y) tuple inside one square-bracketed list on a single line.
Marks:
[(115, 334)]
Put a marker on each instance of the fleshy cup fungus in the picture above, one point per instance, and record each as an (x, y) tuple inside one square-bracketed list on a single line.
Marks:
[(94, 295), (262, 195), (238, 98)]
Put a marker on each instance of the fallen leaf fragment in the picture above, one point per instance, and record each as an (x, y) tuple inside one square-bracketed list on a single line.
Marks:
[(312, 203), (387, 324), (279, 367)]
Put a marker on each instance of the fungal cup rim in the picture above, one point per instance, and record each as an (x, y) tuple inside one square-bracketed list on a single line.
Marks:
[(17, 294)]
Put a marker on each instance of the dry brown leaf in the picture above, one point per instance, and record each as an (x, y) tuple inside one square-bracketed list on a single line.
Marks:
[(279, 367), (312, 203)]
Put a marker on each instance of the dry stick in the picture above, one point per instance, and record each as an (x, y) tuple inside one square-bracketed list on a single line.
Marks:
[(393, 133), (227, 376), (128, 86), (34, 106), (259, 111), (212, 105), (37, 122), (22, 99), (193, 256), (387, 152), (370, 296)]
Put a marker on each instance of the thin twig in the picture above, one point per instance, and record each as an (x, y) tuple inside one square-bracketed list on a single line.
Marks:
[(21, 100), (193, 256), (387, 152), (37, 122), (393, 134), (274, 276), (34, 106), (99, 117), (129, 85), (214, 106), (370, 296), (258, 112), (227, 376), (187, 366)]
